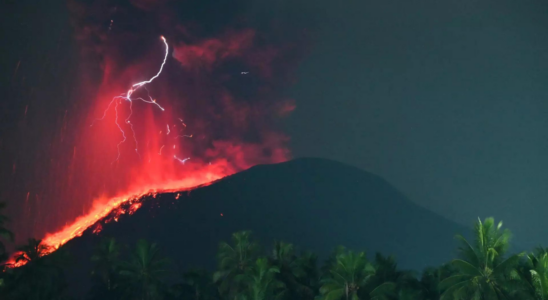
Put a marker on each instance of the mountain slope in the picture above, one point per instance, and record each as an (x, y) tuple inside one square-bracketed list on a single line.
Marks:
[(314, 203)]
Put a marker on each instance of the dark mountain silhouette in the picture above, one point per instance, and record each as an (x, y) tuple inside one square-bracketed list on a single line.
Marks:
[(316, 204)]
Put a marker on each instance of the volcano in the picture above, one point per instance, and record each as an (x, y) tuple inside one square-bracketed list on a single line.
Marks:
[(316, 204)]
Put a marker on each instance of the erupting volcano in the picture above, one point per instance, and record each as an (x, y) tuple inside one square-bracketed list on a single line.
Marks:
[(152, 114), (104, 206)]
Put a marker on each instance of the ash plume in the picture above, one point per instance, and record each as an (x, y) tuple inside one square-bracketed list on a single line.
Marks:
[(222, 89)]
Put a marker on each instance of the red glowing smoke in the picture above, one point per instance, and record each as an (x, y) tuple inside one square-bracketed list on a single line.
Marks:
[(220, 91)]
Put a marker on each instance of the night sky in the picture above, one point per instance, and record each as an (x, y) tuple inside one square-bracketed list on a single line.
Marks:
[(447, 100)]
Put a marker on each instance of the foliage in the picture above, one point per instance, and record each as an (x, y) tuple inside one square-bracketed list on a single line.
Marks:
[(106, 268), (298, 273), (234, 261), (41, 278), (142, 275), (483, 271), (31, 251), (347, 273), (431, 278), (4, 233), (390, 283), (261, 282), (195, 285), (534, 271)]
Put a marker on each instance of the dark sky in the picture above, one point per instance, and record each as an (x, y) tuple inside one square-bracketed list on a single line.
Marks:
[(447, 100)]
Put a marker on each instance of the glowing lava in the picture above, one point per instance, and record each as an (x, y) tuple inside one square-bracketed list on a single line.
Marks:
[(104, 207), (115, 206)]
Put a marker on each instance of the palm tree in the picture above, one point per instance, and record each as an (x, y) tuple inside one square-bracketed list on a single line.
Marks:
[(41, 277), (535, 272), (196, 285), (32, 251), (235, 260), (308, 262), (483, 272), (105, 270), (294, 270), (261, 282), (144, 271), (348, 272), (4, 233), (390, 283), (105, 259), (431, 278)]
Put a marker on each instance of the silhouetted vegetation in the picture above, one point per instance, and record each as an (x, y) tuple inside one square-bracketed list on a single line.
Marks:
[(483, 271), (4, 233)]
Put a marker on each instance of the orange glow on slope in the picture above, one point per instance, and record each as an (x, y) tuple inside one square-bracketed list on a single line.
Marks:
[(103, 207), (11, 263)]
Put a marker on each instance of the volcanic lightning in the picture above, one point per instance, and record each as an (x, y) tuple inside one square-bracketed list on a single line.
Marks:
[(219, 147), (53, 241), (118, 100), (181, 160)]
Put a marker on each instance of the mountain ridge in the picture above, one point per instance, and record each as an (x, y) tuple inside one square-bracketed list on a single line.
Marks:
[(316, 204)]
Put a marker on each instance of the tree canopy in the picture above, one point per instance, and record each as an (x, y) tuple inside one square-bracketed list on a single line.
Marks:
[(483, 270)]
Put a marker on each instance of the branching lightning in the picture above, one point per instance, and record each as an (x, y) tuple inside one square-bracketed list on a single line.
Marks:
[(181, 160), (119, 127), (127, 97)]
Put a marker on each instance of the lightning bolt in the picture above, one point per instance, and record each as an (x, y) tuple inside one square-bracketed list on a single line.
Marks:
[(127, 97), (121, 130), (181, 160)]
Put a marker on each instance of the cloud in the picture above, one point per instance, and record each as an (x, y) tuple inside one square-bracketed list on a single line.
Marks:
[(207, 53)]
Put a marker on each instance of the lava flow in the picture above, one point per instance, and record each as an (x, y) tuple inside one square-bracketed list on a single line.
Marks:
[(106, 206)]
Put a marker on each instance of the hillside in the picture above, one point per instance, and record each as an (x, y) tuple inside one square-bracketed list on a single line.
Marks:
[(314, 203)]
